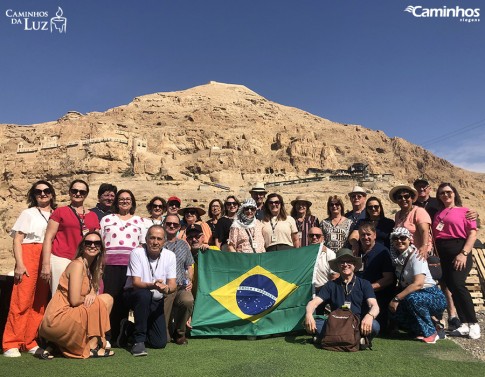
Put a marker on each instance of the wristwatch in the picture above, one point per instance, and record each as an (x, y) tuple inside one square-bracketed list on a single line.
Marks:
[(465, 253), (396, 299)]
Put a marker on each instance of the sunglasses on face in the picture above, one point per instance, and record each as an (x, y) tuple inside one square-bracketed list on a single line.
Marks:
[(96, 244), (355, 196), (191, 212), (400, 238), (76, 192), (313, 235), (194, 237), (421, 188), (446, 193), (174, 204), (334, 205), (46, 191), (403, 197), (247, 209), (172, 225), (230, 204), (349, 262), (274, 203), (373, 208), (154, 206)]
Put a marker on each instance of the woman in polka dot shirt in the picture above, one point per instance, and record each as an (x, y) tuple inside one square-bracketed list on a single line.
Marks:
[(122, 231)]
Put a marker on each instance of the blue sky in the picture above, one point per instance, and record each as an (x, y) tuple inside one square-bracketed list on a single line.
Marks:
[(350, 61)]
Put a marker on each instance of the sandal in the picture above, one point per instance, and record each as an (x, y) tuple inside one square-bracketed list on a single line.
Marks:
[(44, 354), (95, 353)]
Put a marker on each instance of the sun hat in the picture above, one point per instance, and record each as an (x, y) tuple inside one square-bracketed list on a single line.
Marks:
[(259, 187), (397, 188), (301, 198), (199, 210), (358, 190), (347, 254)]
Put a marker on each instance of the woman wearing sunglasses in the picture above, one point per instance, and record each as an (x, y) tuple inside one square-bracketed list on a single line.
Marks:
[(413, 218), (215, 214), (279, 230), (246, 234), (67, 226), (155, 207), (300, 211), (192, 215), (455, 236), (30, 293), (223, 227), (122, 231), (419, 299), (336, 226), (374, 212), (77, 318)]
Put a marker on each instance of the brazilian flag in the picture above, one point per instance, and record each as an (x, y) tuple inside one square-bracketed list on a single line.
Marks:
[(253, 294)]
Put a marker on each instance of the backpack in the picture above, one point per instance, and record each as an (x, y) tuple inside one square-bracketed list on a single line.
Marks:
[(342, 331)]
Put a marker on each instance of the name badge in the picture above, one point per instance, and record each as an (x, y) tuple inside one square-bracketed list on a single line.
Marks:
[(273, 238), (347, 305), (255, 245), (299, 235), (440, 226), (333, 237)]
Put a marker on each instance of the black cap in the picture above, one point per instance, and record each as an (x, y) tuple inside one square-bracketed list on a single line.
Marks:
[(420, 181), (194, 229)]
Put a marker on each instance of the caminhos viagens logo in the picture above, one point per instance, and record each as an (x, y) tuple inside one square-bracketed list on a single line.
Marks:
[(457, 12)]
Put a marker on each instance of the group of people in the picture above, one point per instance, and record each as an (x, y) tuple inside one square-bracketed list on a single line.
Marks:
[(102, 262)]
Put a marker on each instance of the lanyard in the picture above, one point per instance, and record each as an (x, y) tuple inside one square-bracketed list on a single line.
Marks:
[(150, 265), (80, 219), (346, 286), (273, 227), (47, 221), (251, 238)]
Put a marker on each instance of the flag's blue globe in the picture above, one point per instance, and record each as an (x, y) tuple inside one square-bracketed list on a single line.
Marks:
[(256, 294)]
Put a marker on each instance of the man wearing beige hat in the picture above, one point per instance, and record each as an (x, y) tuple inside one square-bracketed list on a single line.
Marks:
[(304, 219), (258, 192), (357, 197)]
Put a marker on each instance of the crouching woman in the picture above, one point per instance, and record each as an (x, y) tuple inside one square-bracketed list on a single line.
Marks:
[(420, 300)]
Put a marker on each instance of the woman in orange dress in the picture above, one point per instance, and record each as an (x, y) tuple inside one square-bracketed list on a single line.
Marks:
[(77, 319)]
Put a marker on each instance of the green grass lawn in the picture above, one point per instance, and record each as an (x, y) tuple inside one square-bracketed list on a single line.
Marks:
[(279, 356)]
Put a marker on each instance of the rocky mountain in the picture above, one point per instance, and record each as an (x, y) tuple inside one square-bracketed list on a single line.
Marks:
[(182, 142)]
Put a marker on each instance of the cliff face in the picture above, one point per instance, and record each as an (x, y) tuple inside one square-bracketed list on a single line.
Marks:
[(220, 133)]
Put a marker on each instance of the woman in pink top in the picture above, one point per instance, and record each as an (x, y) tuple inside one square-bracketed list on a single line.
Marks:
[(455, 236), (246, 233), (413, 218), (122, 231), (67, 226)]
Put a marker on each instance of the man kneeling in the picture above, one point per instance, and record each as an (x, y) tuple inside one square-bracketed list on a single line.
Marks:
[(347, 291), (151, 275)]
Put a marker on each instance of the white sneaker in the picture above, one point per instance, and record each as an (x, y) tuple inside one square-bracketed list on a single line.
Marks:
[(12, 352), (474, 332), (33, 349), (463, 330)]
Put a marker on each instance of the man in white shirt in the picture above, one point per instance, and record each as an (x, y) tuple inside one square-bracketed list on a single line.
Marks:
[(151, 275), (322, 272)]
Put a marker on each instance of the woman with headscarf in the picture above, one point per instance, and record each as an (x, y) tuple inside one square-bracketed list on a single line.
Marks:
[(304, 219), (246, 234), (419, 299)]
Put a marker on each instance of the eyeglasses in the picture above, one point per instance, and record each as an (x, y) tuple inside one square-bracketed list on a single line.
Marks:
[(174, 204), (124, 200), (400, 238), (230, 204), (274, 203), (96, 244), (313, 235), (172, 225), (344, 262), (373, 208), (403, 197), (76, 192), (46, 191), (334, 205), (355, 196), (252, 209), (192, 212), (447, 193), (157, 206)]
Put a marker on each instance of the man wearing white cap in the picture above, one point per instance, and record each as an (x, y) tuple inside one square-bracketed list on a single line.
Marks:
[(258, 192), (357, 198)]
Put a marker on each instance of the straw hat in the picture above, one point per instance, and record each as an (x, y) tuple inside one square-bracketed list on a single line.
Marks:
[(259, 187), (199, 210), (358, 190), (402, 187), (301, 198)]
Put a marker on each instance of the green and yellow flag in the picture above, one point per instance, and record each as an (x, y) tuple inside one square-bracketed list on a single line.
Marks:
[(252, 294)]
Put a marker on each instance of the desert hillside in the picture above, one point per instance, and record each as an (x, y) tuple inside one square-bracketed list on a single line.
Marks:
[(184, 142)]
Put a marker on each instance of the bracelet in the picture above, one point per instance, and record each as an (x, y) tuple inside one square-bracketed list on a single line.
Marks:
[(372, 315)]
